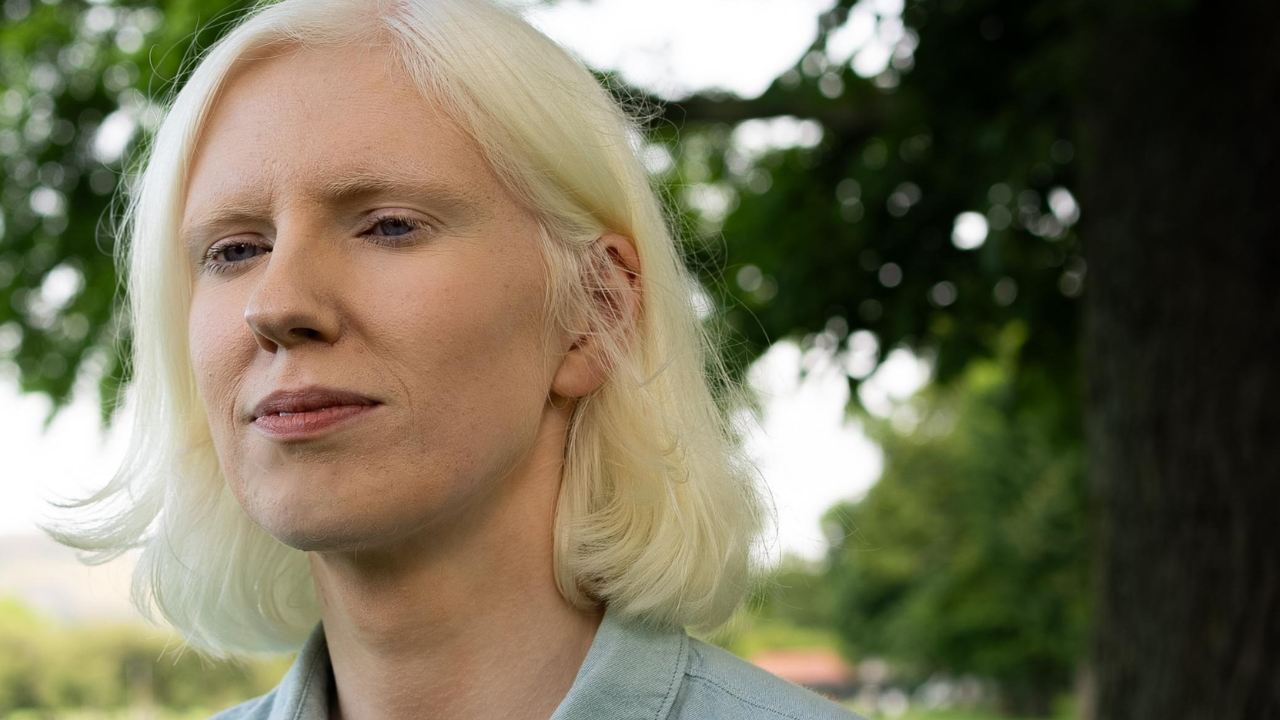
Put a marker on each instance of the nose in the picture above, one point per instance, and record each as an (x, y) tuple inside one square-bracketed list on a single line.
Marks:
[(292, 300)]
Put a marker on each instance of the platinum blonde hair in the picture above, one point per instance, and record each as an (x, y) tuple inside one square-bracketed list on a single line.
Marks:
[(658, 506)]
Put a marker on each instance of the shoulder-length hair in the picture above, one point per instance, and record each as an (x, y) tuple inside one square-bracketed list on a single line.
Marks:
[(659, 505)]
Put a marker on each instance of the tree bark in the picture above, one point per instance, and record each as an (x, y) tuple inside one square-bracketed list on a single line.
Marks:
[(1179, 185)]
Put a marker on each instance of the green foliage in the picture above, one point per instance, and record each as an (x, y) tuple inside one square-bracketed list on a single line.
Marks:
[(1065, 713), (796, 594), (793, 608), (854, 231), (969, 555), (48, 667), (747, 636), (20, 628)]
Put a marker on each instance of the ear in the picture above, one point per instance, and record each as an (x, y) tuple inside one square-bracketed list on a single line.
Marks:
[(585, 367)]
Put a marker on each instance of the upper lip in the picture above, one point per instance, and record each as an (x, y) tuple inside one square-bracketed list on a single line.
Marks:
[(308, 398)]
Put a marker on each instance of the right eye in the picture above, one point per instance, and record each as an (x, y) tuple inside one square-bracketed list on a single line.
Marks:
[(234, 253)]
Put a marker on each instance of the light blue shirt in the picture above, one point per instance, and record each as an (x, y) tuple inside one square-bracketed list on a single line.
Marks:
[(631, 672)]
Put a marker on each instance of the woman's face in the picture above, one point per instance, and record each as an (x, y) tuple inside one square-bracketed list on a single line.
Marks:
[(343, 234)]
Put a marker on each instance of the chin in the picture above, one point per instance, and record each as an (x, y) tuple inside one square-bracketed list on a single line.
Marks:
[(329, 529), (319, 537), (332, 510), (302, 525)]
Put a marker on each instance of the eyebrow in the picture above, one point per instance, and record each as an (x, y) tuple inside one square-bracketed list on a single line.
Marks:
[(341, 190)]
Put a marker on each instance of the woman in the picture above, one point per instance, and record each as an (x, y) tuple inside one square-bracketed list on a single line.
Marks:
[(421, 387)]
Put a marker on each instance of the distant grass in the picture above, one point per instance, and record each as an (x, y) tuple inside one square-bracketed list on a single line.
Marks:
[(117, 714), (927, 715), (747, 635), (1064, 713)]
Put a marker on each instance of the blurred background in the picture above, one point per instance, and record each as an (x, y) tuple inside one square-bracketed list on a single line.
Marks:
[(1002, 273)]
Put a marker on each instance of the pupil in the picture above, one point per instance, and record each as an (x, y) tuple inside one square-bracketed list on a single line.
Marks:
[(395, 223)]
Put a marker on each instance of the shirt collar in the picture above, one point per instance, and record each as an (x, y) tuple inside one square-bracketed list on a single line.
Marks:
[(303, 692), (632, 670)]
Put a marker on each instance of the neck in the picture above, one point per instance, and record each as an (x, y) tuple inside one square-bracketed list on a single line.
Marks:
[(461, 622)]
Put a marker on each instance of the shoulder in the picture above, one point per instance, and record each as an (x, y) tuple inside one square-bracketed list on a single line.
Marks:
[(719, 684), (258, 708)]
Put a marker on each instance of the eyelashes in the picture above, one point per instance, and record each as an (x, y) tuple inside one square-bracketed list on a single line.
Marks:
[(210, 265)]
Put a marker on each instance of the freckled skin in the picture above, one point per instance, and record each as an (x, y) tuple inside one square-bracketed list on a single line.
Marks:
[(448, 489)]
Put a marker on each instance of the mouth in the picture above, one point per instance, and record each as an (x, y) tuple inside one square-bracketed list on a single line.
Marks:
[(296, 426), (306, 412)]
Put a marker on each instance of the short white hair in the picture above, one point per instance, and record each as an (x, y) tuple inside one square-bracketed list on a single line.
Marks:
[(659, 505)]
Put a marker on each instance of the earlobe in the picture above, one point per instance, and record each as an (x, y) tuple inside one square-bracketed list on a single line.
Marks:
[(586, 365)]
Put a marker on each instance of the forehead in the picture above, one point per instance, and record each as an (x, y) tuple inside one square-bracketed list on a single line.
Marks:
[(298, 120)]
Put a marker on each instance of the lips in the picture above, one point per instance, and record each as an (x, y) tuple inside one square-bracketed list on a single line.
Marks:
[(308, 399)]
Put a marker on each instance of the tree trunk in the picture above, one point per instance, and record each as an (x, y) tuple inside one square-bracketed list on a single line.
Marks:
[(1180, 191), (1028, 700)]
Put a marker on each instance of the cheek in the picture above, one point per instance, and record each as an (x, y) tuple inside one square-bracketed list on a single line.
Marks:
[(469, 347), (216, 340)]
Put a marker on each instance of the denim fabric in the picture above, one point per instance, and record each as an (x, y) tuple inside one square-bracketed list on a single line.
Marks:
[(631, 672)]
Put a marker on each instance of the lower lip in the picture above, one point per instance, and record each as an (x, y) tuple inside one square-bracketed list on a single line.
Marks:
[(309, 424)]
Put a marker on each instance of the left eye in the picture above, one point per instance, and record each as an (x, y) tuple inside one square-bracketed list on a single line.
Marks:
[(394, 226)]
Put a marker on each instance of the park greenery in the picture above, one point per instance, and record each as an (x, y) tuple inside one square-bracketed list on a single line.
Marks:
[(969, 555), (916, 181), (55, 668)]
